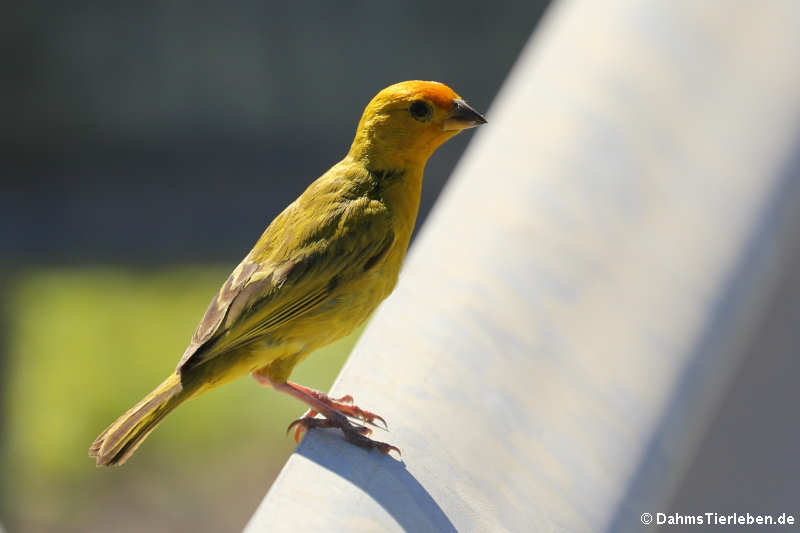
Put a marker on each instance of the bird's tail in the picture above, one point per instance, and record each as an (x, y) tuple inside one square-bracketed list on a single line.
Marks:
[(116, 444)]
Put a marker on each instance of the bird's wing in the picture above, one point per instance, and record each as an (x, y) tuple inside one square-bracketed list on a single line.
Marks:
[(265, 291)]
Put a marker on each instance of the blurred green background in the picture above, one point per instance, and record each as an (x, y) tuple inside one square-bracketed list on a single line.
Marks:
[(144, 149), (87, 343)]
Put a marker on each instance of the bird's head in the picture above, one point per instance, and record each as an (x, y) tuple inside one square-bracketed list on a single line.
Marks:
[(407, 121)]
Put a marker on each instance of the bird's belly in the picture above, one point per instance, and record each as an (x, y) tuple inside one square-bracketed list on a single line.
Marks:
[(336, 318), (351, 303), (343, 313)]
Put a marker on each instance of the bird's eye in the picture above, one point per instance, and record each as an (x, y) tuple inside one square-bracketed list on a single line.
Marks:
[(420, 110)]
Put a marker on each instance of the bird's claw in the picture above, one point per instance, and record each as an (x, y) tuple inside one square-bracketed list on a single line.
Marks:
[(302, 424), (337, 413), (344, 405), (308, 421), (344, 399), (364, 442), (354, 433)]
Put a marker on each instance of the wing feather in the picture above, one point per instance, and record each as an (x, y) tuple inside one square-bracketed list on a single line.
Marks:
[(262, 295)]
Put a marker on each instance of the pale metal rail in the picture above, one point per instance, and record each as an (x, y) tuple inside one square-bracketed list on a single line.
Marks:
[(571, 313)]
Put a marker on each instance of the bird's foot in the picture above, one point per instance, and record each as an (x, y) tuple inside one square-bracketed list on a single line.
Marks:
[(336, 412), (309, 420), (343, 405), (354, 433)]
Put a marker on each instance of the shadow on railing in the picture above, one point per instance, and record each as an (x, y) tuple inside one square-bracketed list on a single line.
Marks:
[(383, 478)]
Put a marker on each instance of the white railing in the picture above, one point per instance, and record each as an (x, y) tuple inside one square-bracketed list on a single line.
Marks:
[(576, 305)]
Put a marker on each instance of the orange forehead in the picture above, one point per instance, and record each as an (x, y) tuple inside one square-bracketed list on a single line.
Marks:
[(437, 93)]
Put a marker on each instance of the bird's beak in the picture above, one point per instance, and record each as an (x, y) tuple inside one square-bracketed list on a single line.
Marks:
[(462, 117)]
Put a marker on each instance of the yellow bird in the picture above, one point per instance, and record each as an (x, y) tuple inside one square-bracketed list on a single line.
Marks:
[(318, 271)]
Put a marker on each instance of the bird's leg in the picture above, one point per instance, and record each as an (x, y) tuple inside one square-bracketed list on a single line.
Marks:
[(335, 412), (343, 405)]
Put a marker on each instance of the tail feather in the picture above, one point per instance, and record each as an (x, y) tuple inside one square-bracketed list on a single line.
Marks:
[(116, 444)]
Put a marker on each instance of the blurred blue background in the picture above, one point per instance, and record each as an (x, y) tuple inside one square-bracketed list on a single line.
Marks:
[(144, 149)]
